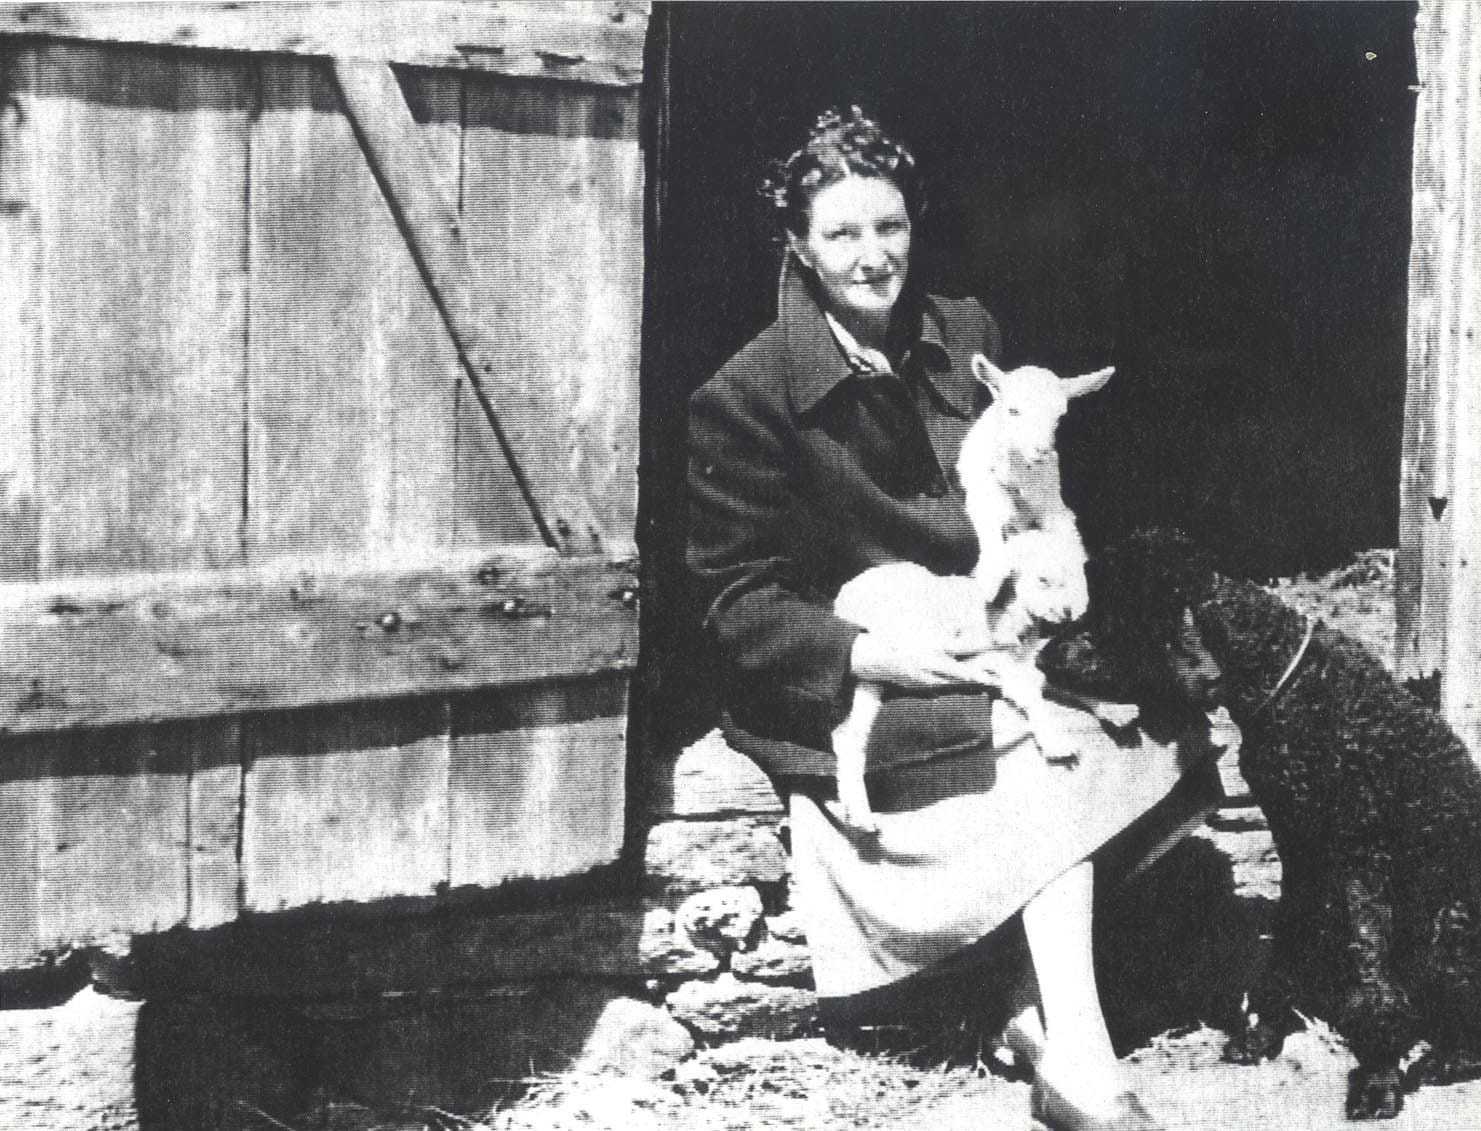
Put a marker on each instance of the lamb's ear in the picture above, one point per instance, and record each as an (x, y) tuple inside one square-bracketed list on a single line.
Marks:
[(988, 373), (1087, 383)]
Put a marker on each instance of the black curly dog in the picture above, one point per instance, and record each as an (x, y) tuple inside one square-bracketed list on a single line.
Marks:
[(1373, 802)]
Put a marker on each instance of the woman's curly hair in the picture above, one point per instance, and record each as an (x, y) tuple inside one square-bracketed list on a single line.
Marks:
[(840, 144)]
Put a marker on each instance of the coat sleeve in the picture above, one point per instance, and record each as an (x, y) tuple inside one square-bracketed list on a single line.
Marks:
[(740, 500)]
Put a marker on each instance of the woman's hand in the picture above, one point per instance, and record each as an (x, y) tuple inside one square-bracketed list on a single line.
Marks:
[(880, 658)]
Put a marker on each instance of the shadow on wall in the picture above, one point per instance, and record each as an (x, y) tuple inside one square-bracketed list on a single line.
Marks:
[(355, 1008), (224, 1064)]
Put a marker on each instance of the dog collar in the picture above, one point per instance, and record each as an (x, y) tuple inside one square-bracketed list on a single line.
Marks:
[(1285, 678)]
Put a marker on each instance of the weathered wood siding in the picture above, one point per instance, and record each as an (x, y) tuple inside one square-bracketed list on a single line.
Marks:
[(589, 41), (276, 626), (1439, 562), (352, 428)]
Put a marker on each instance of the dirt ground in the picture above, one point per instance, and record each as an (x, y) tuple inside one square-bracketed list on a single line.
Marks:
[(811, 1084), (1213, 899)]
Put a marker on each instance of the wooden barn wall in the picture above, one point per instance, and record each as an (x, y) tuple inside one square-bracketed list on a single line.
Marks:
[(217, 357), (1438, 571)]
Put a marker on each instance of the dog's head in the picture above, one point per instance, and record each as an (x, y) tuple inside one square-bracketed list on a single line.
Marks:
[(1191, 669), (1154, 570), (1144, 593), (1141, 638)]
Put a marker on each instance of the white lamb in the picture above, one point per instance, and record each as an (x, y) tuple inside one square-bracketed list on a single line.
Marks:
[(1030, 570)]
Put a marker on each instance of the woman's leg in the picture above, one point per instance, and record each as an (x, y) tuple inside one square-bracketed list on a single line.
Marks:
[(1077, 1056), (1023, 1031)]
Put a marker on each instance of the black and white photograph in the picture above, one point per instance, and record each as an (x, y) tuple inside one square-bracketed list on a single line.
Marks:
[(647, 565)]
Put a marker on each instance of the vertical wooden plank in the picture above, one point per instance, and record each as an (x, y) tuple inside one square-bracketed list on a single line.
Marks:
[(20, 928), (352, 438), (143, 155), (553, 208), (537, 781), (112, 816), (21, 312), (1460, 688), (135, 346), (345, 804), (352, 378), (214, 863), (1438, 574)]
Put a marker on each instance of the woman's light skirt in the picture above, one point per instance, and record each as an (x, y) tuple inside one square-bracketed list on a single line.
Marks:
[(964, 843)]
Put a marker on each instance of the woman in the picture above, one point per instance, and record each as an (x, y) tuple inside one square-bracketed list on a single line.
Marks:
[(824, 447)]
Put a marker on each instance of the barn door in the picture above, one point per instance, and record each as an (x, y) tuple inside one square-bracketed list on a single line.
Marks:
[(318, 423)]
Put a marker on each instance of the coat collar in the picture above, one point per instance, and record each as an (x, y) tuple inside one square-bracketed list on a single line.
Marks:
[(818, 364)]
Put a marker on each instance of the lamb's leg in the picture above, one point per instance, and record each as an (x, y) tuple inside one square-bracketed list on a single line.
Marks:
[(850, 741), (1110, 713), (1022, 686)]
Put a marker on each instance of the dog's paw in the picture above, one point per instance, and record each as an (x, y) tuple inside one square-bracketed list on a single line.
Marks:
[(1257, 1041), (1374, 1093), (1447, 1066)]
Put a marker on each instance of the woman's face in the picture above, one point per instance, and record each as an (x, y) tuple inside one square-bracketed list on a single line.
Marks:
[(858, 245)]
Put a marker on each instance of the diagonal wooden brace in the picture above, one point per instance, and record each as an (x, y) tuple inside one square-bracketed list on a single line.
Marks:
[(430, 224)]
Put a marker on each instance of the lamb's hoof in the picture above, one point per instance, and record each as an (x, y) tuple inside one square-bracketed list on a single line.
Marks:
[(857, 818), (1374, 1093), (1118, 716), (1255, 1043), (1056, 751)]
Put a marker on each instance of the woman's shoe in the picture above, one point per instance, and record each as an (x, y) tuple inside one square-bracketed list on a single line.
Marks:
[(1053, 1112)]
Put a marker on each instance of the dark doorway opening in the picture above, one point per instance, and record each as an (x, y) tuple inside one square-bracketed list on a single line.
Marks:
[(1213, 197)]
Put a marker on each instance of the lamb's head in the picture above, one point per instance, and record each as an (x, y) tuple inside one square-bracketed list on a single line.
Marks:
[(1009, 471), (1007, 464), (1011, 447), (1029, 401)]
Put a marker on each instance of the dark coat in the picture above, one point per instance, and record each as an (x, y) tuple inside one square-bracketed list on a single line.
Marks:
[(802, 474)]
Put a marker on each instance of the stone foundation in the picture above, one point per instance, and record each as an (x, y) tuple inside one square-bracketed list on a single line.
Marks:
[(716, 855)]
